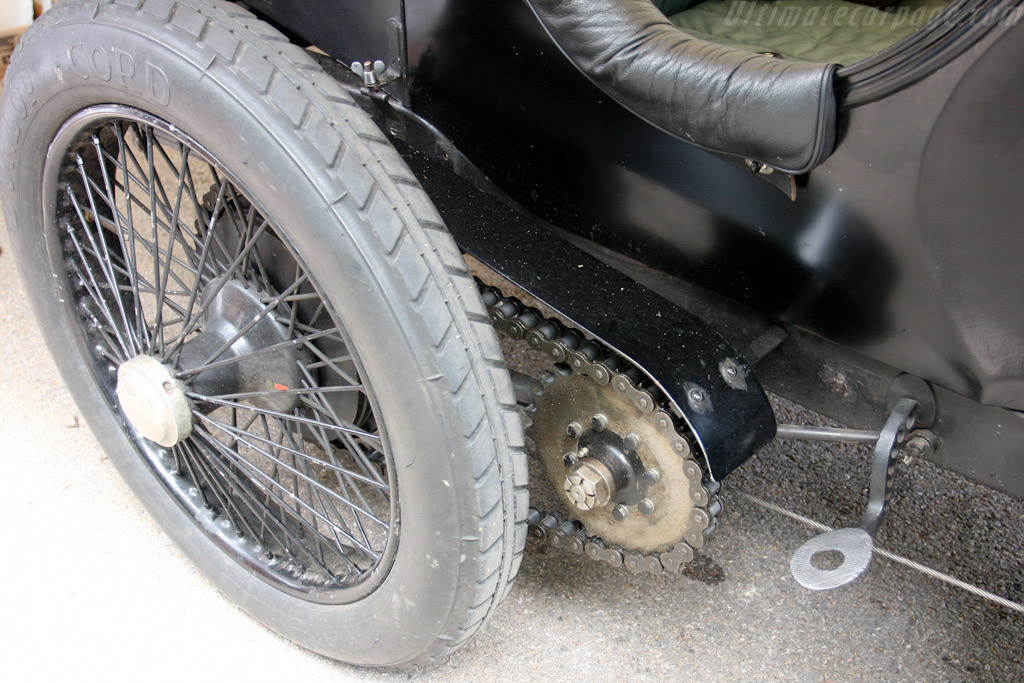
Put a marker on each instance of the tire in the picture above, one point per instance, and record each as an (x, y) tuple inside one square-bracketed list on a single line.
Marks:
[(285, 145)]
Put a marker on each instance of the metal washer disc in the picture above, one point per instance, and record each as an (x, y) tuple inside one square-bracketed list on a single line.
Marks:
[(856, 547)]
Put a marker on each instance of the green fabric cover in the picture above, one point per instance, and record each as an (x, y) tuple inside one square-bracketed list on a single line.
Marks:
[(806, 30), (672, 6)]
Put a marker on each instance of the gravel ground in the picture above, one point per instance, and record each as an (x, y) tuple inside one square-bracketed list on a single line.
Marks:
[(97, 592)]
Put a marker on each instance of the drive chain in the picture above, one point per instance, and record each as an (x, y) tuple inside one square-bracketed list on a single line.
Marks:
[(603, 365)]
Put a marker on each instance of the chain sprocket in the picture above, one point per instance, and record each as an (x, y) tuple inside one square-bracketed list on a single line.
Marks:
[(605, 367)]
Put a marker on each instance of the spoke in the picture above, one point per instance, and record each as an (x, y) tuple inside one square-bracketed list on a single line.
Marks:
[(309, 329), (287, 392), (269, 514), (122, 148), (290, 468), (321, 364), (190, 468), (211, 297), (197, 284), (108, 274), (238, 460), (306, 465), (107, 193), (198, 455), (294, 418), (341, 477), (237, 433), (157, 329), (157, 252), (97, 296), (320, 310), (279, 346), (329, 363), (178, 228), (216, 488), (319, 406), (162, 293), (324, 510)]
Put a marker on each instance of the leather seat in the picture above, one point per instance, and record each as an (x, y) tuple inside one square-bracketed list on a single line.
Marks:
[(774, 112)]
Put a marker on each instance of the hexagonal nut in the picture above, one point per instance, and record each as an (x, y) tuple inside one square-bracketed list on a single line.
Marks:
[(589, 484)]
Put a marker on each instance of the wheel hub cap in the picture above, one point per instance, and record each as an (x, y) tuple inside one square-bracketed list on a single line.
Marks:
[(154, 401)]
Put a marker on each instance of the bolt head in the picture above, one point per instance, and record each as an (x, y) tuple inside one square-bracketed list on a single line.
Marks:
[(917, 446), (631, 442), (599, 422), (646, 506), (620, 512), (651, 476), (569, 459), (574, 430), (697, 396)]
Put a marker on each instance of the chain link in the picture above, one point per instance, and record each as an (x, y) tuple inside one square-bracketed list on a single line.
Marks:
[(604, 366)]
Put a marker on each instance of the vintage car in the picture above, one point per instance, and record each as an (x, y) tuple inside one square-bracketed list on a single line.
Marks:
[(243, 228)]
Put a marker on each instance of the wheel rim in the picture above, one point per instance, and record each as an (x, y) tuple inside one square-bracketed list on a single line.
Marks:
[(206, 333)]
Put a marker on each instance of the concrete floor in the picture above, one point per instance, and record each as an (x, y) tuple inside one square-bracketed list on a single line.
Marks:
[(92, 590)]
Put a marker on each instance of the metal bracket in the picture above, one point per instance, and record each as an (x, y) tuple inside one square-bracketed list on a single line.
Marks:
[(855, 544)]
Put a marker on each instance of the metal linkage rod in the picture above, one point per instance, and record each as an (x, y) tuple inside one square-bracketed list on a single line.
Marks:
[(803, 433)]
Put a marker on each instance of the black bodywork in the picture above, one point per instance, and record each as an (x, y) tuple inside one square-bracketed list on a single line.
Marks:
[(900, 253)]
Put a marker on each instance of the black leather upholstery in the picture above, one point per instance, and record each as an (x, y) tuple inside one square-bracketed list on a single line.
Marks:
[(777, 112)]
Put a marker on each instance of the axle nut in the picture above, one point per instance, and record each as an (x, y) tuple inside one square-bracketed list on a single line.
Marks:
[(589, 484)]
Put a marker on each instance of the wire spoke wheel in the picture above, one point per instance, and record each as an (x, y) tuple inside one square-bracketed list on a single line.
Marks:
[(236, 381), (265, 323)]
